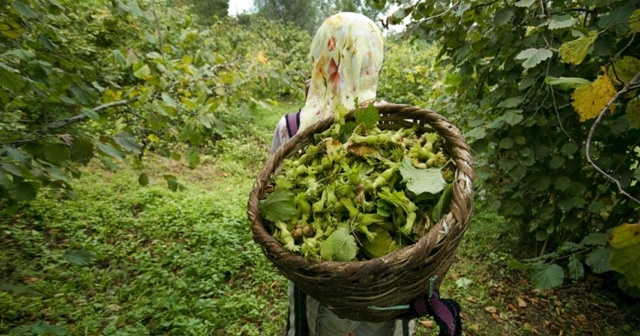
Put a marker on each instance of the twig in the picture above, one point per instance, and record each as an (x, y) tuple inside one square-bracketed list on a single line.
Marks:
[(545, 13), (633, 36), (604, 111)]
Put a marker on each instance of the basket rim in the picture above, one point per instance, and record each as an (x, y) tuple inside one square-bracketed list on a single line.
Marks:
[(398, 112)]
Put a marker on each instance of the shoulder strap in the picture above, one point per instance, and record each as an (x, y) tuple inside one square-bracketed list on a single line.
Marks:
[(293, 122), (300, 311)]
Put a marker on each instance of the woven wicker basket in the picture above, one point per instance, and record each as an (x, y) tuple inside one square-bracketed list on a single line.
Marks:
[(349, 289)]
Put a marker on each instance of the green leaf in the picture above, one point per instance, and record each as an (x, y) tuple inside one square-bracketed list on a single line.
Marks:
[(511, 102), (533, 56), (10, 78), (193, 157), (599, 239), (25, 55), (526, 83), (81, 257), (57, 153), (81, 150), (278, 206), (368, 117), (619, 16), (42, 328), (575, 51), (16, 289), (556, 162), (566, 83), (506, 143), (547, 276), (476, 133), (143, 73), (143, 179), (442, 207), (507, 164), (172, 182), (109, 150), (128, 142), (83, 95), (108, 164), (346, 131), (5, 181), (90, 113), (512, 117), (25, 10), (56, 174), (11, 169), (150, 38), (503, 16), (563, 183), (524, 3), (339, 246), (566, 204), (119, 58), (576, 270), (597, 3), (625, 257), (562, 21), (634, 21), (167, 99), (542, 184), (569, 148), (598, 260), (421, 181), (23, 191), (17, 155)]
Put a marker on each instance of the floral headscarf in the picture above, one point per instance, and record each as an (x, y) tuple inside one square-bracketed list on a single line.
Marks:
[(347, 54)]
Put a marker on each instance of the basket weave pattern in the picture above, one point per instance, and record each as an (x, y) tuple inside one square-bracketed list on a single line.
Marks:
[(349, 289)]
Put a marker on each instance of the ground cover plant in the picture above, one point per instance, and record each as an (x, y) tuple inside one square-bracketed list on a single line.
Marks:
[(125, 259), (131, 132)]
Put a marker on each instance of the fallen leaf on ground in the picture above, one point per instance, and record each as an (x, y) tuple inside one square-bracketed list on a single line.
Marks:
[(113, 307), (491, 309), (521, 302)]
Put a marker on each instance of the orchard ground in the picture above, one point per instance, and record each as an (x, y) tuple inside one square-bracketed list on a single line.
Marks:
[(122, 259)]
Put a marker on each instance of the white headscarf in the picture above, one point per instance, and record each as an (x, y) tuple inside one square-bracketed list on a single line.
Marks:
[(347, 54)]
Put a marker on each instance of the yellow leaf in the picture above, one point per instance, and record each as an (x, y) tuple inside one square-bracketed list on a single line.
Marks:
[(590, 99), (261, 57), (634, 21), (625, 257), (625, 68), (10, 29), (633, 113), (575, 51), (153, 138)]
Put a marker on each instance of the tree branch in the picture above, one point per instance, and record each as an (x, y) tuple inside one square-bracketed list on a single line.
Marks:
[(422, 21), (70, 121), (628, 87)]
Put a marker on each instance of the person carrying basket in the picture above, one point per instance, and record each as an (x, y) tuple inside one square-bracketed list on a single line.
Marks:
[(347, 56)]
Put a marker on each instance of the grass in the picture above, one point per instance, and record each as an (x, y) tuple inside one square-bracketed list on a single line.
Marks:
[(121, 259)]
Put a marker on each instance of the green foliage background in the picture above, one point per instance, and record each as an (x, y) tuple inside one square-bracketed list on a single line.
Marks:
[(514, 68), (138, 78), (112, 83)]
